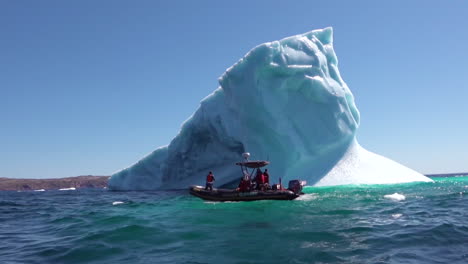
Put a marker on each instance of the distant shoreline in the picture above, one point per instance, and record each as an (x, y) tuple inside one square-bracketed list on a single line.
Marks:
[(447, 174), (77, 182), (90, 181)]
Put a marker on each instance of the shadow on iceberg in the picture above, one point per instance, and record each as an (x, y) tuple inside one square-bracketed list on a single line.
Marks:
[(283, 101)]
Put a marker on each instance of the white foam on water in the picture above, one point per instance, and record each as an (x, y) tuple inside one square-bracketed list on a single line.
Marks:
[(395, 197), (40, 190), (117, 203), (307, 197), (225, 202), (396, 216), (321, 244), (211, 202), (68, 189)]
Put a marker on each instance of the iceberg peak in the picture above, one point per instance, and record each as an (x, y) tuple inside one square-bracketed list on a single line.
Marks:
[(324, 35)]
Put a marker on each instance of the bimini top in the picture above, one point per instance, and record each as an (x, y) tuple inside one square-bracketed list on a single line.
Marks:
[(253, 164)]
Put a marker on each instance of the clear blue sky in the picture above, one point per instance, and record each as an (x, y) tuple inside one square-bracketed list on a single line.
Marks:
[(90, 87)]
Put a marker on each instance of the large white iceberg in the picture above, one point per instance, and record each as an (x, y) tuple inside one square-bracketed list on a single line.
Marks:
[(283, 101)]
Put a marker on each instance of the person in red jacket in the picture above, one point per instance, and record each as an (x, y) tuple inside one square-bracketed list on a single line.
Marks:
[(210, 179), (244, 184), (266, 178), (259, 179)]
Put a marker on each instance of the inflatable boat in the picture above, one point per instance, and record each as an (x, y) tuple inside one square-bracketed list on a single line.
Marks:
[(252, 192), (224, 195)]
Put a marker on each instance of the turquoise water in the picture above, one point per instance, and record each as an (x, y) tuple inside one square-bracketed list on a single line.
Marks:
[(347, 224)]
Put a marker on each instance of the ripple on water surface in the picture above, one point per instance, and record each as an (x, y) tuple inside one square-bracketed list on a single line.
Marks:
[(346, 224)]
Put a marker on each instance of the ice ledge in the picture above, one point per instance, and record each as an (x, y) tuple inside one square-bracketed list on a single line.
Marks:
[(360, 166)]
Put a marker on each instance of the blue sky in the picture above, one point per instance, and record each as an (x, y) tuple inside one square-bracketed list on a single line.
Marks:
[(90, 87)]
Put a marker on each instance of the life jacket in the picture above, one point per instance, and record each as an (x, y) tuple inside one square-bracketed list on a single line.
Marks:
[(259, 177), (210, 178), (266, 177), (244, 185), (259, 173), (262, 179)]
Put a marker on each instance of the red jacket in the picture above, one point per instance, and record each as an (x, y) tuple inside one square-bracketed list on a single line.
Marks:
[(266, 177), (244, 185), (210, 178)]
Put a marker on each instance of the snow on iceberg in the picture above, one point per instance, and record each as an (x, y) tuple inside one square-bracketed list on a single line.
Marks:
[(284, 101)]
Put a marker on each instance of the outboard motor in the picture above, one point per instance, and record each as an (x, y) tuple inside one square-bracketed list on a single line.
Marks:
[(296, 186)]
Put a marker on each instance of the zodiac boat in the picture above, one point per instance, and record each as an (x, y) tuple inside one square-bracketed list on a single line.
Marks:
[(276, 192)]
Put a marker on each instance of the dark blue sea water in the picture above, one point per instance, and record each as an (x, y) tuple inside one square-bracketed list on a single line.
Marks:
[(422, 223)]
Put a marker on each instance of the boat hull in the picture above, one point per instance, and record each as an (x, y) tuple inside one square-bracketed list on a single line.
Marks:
[(224, 195)]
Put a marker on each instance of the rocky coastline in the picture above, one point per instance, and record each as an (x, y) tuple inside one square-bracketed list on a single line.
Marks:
[(88, 181)]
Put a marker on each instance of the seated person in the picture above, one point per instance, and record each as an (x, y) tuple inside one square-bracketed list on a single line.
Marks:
[(244, 185)]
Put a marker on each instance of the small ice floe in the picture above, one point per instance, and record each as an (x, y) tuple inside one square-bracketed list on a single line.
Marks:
[(68, 189), (117, 203), (395, 197), (40, 190), (396, 216)]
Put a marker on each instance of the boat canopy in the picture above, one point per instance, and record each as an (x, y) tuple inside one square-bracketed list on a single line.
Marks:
[(253, 164)]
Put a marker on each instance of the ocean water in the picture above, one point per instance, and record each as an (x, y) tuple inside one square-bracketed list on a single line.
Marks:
[(403, 223)]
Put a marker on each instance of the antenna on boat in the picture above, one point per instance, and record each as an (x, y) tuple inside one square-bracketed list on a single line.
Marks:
[(245, 170)]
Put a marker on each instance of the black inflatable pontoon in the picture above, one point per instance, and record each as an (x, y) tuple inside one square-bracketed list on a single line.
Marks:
[(223, 195)]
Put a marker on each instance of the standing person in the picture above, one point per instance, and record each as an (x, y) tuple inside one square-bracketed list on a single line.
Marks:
[(210, 179), (266, 177), (259, 179)]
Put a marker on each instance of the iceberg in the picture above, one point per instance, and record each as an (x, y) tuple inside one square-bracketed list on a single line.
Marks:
[(285, 102)]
